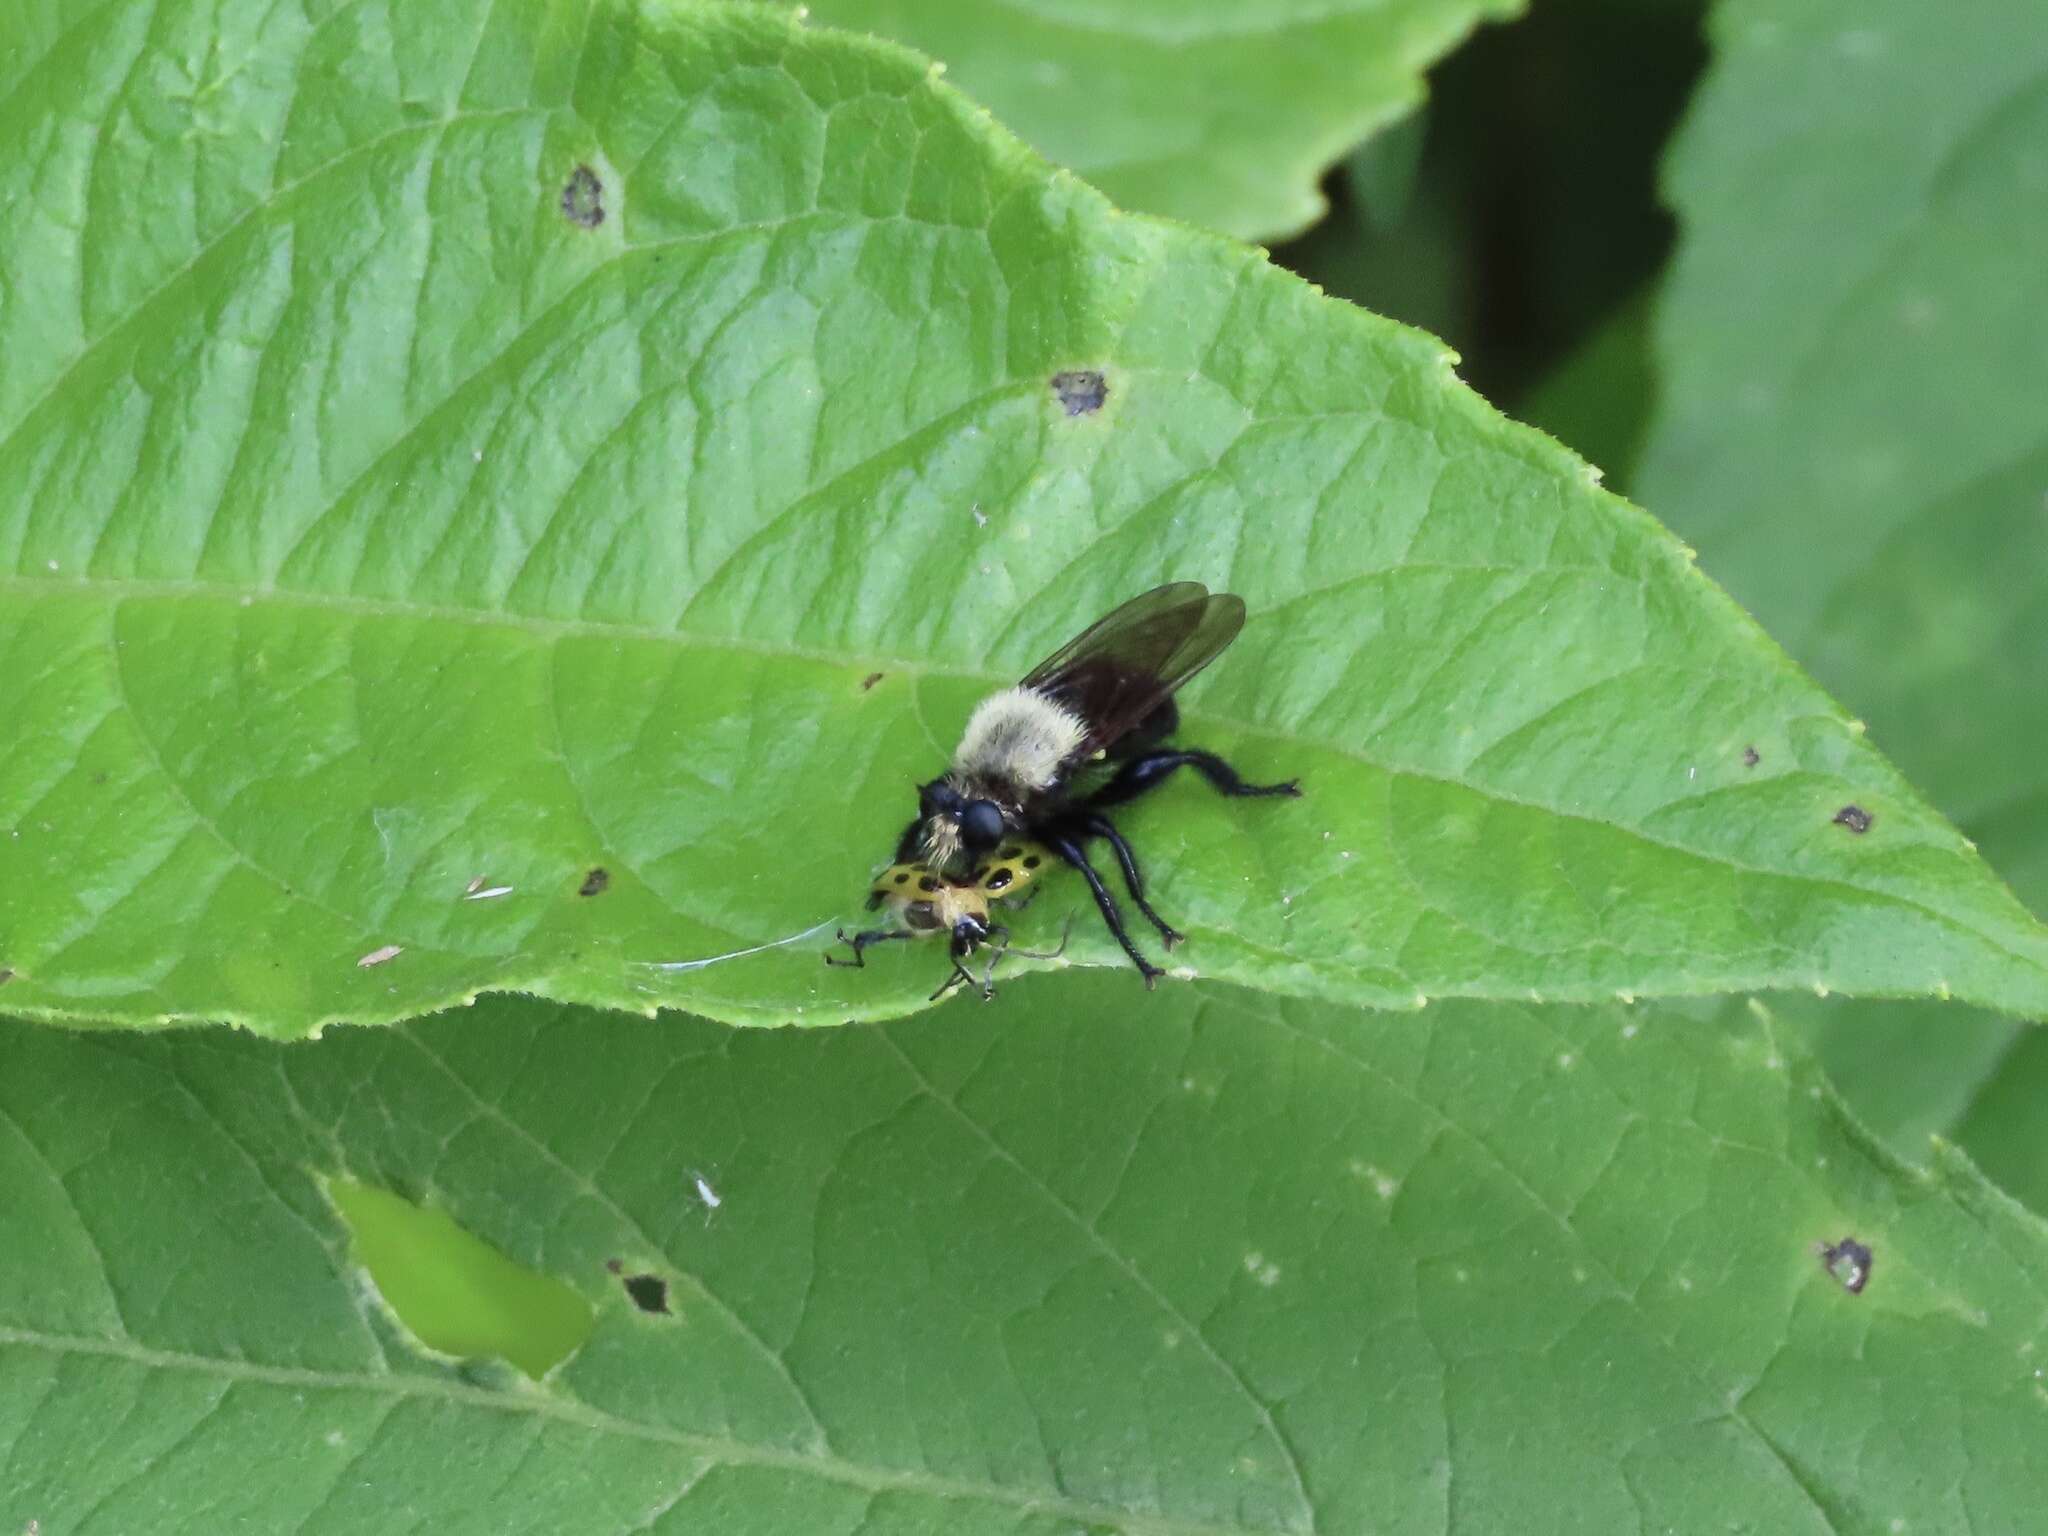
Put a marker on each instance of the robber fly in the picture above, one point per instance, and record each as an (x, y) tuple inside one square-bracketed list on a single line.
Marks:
[(923, 905), (1045, 761)]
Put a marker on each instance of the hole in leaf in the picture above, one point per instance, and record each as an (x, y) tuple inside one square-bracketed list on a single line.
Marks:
[(595, 882), (648, 1292), (1081, 391), (454, 1292), (869, 681), (1751, 757), (1855, 818), (1849, 1262), (583, 198)]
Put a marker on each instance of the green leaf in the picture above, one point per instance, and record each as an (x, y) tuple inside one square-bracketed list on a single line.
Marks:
[(1224, 114), (1851, 429), (1028, 1268), (420, 586)]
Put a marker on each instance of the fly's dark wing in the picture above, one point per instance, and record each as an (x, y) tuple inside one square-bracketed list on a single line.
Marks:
[(1122, 668)]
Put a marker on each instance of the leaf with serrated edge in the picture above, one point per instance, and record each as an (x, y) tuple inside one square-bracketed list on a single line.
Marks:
[(1220, 1265), (387, 529), (1852, 431)]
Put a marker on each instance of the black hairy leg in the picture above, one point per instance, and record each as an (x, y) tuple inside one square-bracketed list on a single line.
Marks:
[(1151, 769), (863, 941), (1095, 824), (1068, 849)]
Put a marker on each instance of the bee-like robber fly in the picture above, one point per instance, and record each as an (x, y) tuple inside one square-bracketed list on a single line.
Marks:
[(1046, 760), (923, 905)]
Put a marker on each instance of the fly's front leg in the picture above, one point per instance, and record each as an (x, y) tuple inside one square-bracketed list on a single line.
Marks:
[(1069, 850), (1095, 824)]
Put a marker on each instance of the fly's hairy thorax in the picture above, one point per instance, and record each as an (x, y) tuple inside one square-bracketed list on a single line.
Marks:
[(1018, 744)]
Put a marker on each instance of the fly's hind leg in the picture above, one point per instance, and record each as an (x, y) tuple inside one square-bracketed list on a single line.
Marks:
[(1068, 849), (1151, 769)]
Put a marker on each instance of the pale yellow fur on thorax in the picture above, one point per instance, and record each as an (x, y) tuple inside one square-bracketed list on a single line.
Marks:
[(1018, 738)]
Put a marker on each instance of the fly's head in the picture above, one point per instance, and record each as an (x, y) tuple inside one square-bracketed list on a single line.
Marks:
[(956, 830)]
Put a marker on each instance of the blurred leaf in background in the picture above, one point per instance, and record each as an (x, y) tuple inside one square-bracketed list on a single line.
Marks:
[(1533, 222), (1222, 114), (1852, 358)]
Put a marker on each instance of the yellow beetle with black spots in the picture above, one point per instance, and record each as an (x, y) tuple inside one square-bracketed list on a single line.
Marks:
[(922, 904)]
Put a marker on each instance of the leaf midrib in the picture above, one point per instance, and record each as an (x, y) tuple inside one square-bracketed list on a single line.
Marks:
[(856, 662)]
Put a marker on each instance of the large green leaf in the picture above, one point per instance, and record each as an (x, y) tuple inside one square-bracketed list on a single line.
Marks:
[(1224, 113), (1851, 382), (1220, 1264), (386, 530)]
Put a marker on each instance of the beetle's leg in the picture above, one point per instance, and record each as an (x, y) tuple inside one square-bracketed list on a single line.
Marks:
[(862, 941)]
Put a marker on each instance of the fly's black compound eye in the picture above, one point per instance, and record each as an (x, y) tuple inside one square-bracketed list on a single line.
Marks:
[(981, 825)]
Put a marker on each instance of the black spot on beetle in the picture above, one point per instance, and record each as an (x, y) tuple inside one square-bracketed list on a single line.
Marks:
[(1080, 391), (1011, 852), (1849, 1262), (649, 1292), (583, 198), (1001, 878), (1855, 818), (595, 882), (1750, 757), (870, 680), (927, 883), (1032, 861), (903, 878)]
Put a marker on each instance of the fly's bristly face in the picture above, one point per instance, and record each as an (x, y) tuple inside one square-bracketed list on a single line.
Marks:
[(1043, 762)]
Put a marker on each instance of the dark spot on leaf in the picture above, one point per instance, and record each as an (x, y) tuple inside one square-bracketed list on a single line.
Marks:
[(1011, 852), (1855, 818), (1081, 391), (595, 882), (1750, 757), (613, 1265), (869, 681), (1849, 1262), (649, 1292), (99, 778), (5, 976), (583, 198)]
